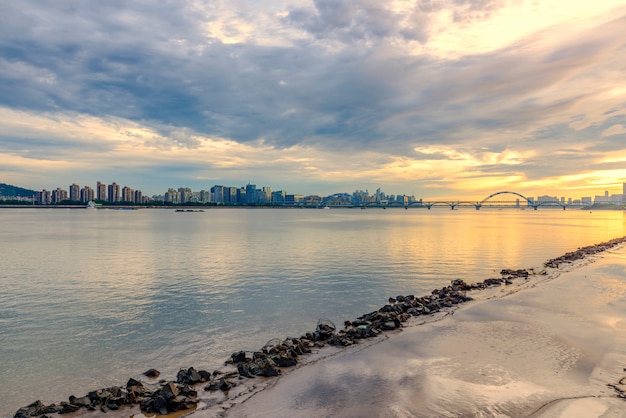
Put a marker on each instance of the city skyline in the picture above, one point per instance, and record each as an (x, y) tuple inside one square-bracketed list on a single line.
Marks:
[(419, 98), (250, 194)]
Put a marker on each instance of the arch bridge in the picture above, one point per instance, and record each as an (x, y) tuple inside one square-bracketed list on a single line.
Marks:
[(453, 205), (531, 203)]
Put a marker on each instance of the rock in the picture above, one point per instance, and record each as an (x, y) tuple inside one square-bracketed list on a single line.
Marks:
[(169, 391), (240, 356), (84, 401), (133, 382), (169, 398), (156, 404), (221, 384), (68, 408), (389, 326), (191, 376), (152, 373)]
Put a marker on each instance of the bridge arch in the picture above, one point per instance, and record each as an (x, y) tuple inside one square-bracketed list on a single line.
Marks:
[(528, 200)]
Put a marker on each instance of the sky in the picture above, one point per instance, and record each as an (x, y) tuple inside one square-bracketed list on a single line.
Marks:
[(448, 98)]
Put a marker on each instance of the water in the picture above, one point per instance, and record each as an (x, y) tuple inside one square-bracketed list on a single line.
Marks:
[(92, 297)]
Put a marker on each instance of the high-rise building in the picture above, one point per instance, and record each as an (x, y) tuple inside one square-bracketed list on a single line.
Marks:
[(86, 194), (75, 192), (251, 193), (138, 197), (44, 197), (59, 195), (128, 194), (101, 191), (241, 195), (172, 196), (114, 192), (278, 197), (205, 196), (185, 194), (218, 193), (266, 194), (230, 195)]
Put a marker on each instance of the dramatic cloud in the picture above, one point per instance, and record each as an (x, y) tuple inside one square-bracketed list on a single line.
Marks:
[(455, 98)]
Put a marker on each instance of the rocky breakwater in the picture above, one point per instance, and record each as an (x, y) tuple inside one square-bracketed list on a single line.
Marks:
[(165, 396), (583, 252)]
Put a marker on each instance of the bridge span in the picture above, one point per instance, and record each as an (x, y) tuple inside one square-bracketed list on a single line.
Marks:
[(455, 204)]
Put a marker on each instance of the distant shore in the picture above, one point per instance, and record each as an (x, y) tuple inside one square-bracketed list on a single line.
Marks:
[(211, 207)]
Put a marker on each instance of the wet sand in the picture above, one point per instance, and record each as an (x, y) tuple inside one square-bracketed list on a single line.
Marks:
[(545, 347)]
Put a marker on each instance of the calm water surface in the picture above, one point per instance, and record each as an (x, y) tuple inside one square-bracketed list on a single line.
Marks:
[(92, 297)]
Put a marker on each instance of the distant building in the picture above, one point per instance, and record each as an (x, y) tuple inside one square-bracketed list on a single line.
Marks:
[(86, 194), (75, 192), (266, 194), (114, 192), (218, 193), (204, 196), (602, 200), (138, 197), (44, 197), (241, 195), (312, 200), (547, 199), (128, 195), (59, 195), (230, 195), (185, 194), (251, 193), (172, 196), (101, 191), (293, 199), (278, 197)]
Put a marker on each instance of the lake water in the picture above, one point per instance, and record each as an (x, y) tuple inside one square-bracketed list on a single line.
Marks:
[(92, 297)]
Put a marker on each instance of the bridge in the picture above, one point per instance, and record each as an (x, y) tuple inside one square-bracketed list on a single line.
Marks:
[(489, 199), (348, 200)]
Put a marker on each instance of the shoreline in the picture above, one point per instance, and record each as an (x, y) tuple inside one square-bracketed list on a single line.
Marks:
[(234, 384), (552, 346)]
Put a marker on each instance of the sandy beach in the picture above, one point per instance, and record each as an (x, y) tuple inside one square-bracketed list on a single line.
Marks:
[(546, 347)]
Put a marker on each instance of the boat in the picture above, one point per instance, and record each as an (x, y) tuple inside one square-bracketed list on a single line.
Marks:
[(93, 205)]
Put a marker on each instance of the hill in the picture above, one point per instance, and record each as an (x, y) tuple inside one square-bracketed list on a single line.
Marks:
[(6, 190)]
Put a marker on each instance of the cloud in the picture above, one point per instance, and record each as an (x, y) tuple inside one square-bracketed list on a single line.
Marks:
[(616, 129), (421, 90)]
